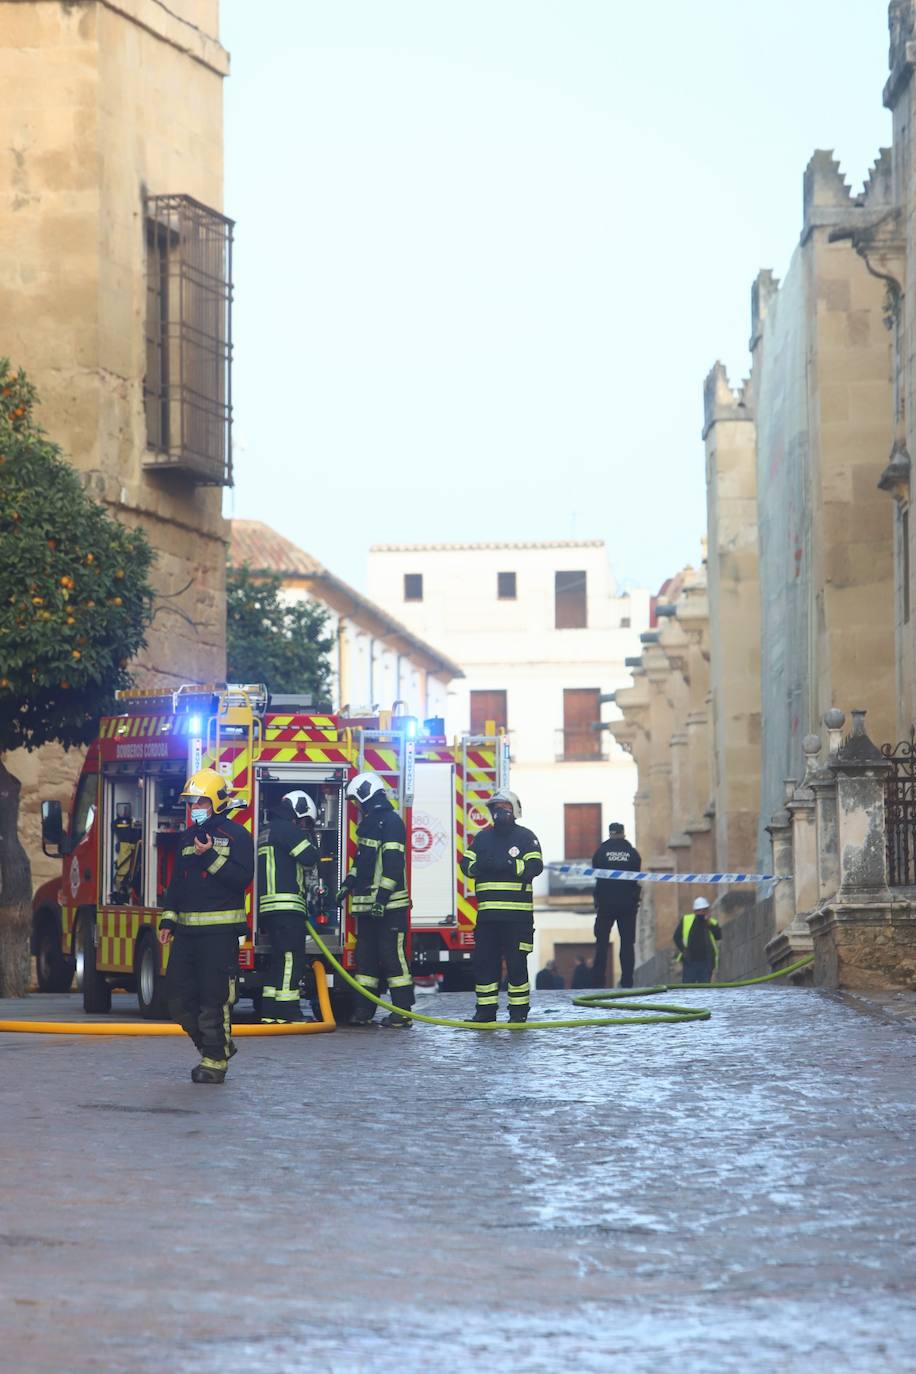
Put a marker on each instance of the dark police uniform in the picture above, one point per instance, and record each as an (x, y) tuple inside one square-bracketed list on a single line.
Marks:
[(378, 882), (284, 852), (616, 900), (503, 861), (205, 910)]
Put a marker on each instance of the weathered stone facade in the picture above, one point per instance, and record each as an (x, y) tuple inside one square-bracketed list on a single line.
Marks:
[(101, 105), (665, 726)]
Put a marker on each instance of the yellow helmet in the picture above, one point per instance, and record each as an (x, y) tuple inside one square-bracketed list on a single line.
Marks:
[(210, 785)]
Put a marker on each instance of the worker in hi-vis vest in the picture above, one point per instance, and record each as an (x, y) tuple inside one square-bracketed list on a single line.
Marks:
[(697, 939)]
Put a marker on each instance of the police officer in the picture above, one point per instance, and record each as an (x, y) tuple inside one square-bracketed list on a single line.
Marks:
[(285, 849), (697, 941), (203, 919), (616, 900), (377, 887), (503, 860)]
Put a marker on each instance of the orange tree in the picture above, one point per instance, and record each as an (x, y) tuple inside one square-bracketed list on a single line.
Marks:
[(75, 602)]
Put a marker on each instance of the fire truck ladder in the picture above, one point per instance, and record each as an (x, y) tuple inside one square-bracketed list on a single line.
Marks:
[(240, 709)]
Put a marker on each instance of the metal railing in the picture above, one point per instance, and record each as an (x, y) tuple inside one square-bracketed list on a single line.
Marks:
[(188, 385), (900, 812)]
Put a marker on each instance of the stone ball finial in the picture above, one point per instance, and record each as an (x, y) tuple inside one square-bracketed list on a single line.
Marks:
[(834, 719), (811, 744)]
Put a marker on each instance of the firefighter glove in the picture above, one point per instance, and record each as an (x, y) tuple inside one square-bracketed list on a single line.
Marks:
[(343, 892), (377, 910)]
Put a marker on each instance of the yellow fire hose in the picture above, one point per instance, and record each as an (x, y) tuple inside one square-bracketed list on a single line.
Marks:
[(660, 1013), (327, 1022)]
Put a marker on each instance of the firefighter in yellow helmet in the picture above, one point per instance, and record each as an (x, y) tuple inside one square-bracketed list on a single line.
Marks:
[(203, 919)]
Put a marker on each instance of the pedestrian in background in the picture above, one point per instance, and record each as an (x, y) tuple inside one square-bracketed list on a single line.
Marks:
[(616, 900), (697, 940), (549, 978), (582, 973)]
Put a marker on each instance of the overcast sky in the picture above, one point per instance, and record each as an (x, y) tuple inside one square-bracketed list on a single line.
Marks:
[(487, 251)]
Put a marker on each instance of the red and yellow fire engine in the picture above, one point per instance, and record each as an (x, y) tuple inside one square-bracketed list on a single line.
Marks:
[(99, 920)]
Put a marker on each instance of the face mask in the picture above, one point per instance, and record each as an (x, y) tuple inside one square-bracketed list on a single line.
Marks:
[(199, 814)]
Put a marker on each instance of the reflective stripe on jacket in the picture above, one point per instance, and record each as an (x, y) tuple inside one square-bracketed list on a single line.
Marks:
[(713, 936), (379, 871), (503, 879), (209, 889), (284, 853)]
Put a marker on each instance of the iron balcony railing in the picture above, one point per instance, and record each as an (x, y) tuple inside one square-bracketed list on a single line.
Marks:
[(188, 385)]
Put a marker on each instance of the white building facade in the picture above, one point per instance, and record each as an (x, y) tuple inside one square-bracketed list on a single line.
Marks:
[(377, 663), (542, 635)]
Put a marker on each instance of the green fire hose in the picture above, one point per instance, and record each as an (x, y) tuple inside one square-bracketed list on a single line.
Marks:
[(654, 1013)]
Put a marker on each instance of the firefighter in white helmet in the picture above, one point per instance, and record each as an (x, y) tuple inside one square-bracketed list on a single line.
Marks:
[(697, 940), (286, 848), (377, 888), (203, 919), (503, 860)]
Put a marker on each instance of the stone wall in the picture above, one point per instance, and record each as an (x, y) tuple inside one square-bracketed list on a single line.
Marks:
[(101, 104)]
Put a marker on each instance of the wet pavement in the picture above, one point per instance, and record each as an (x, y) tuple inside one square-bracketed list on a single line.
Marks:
[(736, 1195)]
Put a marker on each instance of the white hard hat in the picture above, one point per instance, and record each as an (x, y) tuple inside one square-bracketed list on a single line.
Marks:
[(701, 904), (364, 787), (509, 798), (302, 804)]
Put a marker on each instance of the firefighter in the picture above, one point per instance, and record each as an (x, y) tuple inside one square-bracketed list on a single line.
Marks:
[(203, 919), (616, 900), (285, 850), (503, 860), (377, 887), (697, 939)]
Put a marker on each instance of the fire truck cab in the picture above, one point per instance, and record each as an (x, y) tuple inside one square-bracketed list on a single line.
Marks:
[(99, 920)]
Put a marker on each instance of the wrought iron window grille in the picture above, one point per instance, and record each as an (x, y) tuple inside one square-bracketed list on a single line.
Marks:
[(187, 389)]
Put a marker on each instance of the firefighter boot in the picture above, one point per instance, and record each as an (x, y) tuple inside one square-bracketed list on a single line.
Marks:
[(364, 1010), (401, 996), (484, 1016), (209, 1071)]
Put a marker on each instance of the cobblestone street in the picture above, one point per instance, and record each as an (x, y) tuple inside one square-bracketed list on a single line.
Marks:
[(731, 1196)]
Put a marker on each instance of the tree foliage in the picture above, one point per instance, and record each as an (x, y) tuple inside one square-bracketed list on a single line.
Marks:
[(74, 596), (283, 645)]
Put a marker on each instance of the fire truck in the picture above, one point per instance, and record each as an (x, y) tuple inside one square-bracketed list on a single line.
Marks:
[(99, 920)]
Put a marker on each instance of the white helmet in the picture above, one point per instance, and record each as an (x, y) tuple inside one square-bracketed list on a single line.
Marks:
[(701, 904), (302, 805), (364, 787), (510, 798)]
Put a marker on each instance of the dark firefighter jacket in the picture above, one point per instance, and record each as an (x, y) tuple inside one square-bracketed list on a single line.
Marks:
[(503, 862), (379, 873), (697, 938), (208, 890), (284, 853), (611, 893)]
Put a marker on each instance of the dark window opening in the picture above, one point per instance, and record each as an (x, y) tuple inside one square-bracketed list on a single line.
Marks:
[(505, 586), (187, 389), (488, 707), (413, 586), (581, 830), (581, 713), (570, 600)]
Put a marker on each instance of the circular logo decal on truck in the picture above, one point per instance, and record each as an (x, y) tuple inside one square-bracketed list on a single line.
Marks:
[(427, 839)]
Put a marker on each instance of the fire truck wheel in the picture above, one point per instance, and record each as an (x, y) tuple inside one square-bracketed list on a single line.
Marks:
[(150, 982), (53, 971), (96, 992), (342, 1005)]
